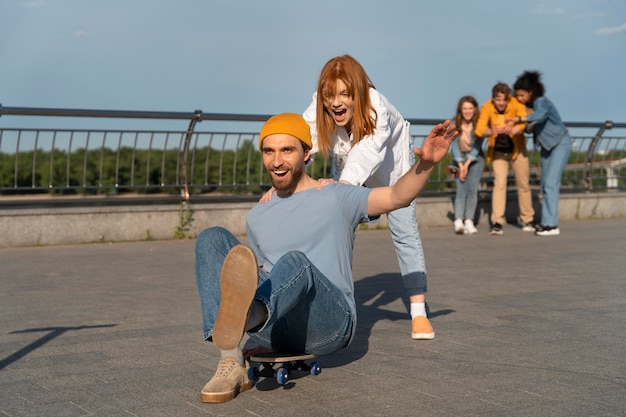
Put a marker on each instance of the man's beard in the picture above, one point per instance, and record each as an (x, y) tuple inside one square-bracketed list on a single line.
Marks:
[(287, 187)]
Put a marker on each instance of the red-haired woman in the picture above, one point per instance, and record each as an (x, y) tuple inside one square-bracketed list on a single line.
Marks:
[(370, 144)]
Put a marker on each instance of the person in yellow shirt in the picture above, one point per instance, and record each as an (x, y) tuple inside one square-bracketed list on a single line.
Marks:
[(506, 146)]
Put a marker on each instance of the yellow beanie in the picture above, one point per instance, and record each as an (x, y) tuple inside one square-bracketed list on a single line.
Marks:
[(288, 124)]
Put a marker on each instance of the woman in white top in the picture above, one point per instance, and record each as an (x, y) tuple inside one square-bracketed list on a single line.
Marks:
[(370, 145)]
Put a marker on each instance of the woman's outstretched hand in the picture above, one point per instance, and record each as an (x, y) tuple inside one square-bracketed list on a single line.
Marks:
[(437, 143)]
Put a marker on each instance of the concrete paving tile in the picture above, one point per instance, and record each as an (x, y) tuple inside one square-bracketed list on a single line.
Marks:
[(116, 330)]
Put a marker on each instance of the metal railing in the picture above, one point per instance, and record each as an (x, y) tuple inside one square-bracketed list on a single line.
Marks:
[(185, 163)]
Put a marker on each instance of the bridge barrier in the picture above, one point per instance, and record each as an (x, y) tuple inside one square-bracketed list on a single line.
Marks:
[(101, 223)]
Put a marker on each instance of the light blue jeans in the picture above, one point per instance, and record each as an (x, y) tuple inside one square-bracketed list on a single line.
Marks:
[(466, 198), (552, 165), (307, 313), (406, 239)]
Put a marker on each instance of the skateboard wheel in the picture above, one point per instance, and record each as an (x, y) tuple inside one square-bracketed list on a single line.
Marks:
[(315, 368), (253, 374), (281, 376)]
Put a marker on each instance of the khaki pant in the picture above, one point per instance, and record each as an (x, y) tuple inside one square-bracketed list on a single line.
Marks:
[(500, 166)]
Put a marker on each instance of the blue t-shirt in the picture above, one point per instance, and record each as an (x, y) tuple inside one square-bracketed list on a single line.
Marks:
[(319, 223)]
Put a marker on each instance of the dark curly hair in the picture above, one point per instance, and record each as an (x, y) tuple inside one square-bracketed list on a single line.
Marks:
[(530, 81)]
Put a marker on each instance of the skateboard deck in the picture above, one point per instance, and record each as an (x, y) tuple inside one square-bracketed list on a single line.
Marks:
[(280, 364)]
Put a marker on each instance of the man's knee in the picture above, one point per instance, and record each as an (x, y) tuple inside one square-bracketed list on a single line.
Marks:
[(212, 233), (295, 255), (209, 236)]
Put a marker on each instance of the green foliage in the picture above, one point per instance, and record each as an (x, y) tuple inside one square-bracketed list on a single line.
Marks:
[(209, 170), (185, 218), (96, 171)]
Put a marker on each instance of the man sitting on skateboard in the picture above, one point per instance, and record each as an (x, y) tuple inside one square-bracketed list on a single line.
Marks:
[(291, 289)]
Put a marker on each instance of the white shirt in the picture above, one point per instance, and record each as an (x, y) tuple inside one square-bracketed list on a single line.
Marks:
[(377, 160)]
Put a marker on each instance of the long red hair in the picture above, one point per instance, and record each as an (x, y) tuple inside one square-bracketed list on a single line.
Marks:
[(352, 74)]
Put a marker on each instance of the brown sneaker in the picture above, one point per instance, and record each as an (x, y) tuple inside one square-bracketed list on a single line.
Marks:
[(230, 379), (238, 280), (422, 330)]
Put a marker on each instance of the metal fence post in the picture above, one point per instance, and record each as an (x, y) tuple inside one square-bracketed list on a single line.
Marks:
[(184, 177), (588, 171)]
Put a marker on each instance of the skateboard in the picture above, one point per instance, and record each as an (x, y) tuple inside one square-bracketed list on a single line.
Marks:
[(279, 364)]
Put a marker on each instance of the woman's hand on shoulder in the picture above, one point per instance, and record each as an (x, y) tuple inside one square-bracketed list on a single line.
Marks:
[(323, 182), (267, 196)]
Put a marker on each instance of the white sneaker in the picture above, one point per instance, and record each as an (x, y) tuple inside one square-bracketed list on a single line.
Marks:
[(470, 229), (458, 227), (547, 231)]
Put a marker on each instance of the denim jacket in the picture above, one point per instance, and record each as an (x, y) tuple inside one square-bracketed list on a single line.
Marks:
[(477, 150), (546, 123)]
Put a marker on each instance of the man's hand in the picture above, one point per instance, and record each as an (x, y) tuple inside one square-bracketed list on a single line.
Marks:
[(437, 142), (499, 129)]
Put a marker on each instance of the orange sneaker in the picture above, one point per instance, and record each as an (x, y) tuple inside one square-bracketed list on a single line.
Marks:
[(422, 330)]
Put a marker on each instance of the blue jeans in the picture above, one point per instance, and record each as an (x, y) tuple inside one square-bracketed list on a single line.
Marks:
[(466, 198), (307, 313), (552, 165), (406, 240)]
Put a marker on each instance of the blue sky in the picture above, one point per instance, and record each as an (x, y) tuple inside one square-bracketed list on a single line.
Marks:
[(264, 57)]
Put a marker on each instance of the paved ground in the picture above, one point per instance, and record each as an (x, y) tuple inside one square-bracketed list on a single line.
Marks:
[(526, 326)]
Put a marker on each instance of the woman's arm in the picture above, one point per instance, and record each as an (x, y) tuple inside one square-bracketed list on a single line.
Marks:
[(541, 107), (477, 145), (310, 116), (456, 151)]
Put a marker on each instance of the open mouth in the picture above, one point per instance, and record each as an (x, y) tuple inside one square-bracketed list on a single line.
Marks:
[(340, 115)]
